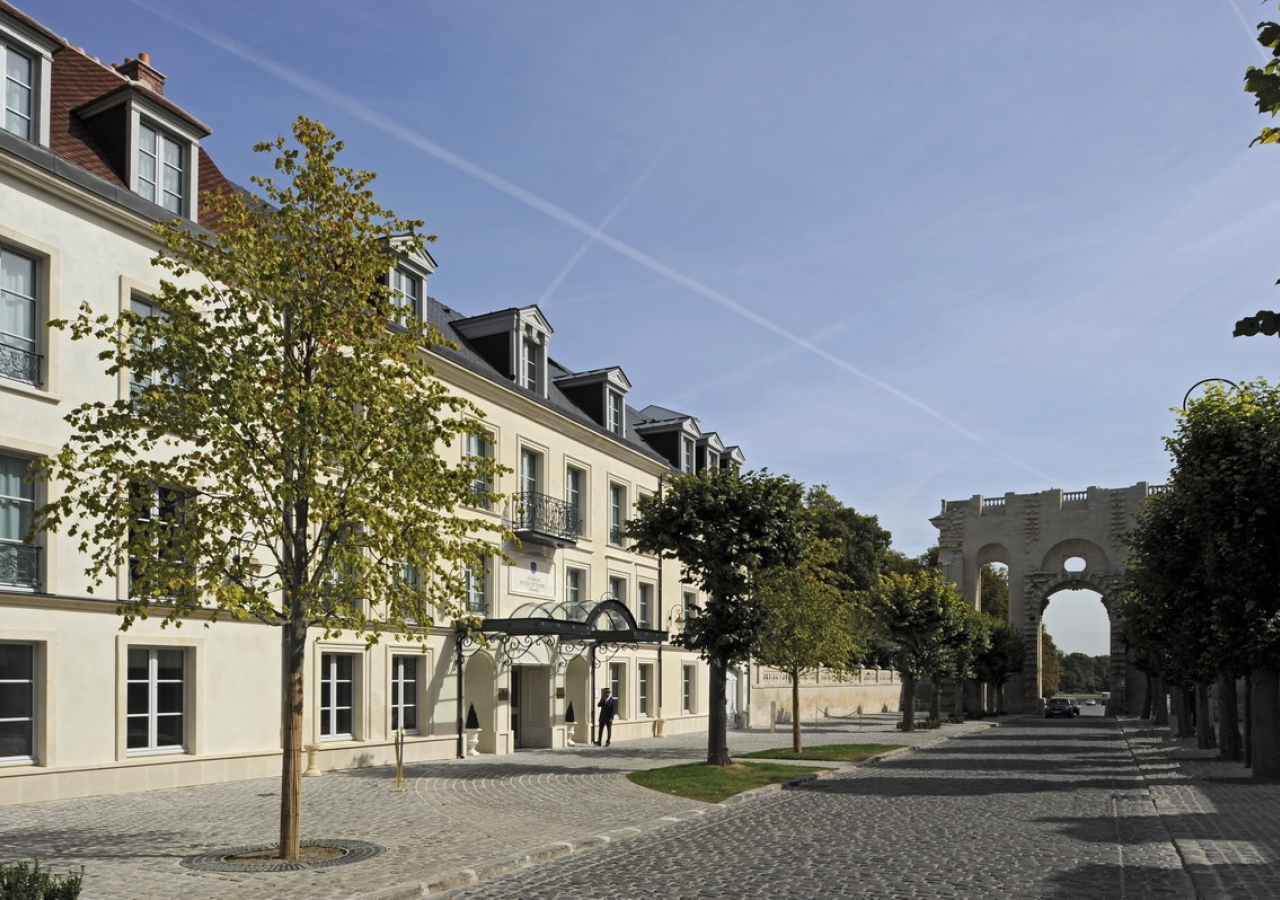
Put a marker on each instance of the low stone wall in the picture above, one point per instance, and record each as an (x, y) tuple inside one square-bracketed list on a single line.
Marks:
[(822, 694)]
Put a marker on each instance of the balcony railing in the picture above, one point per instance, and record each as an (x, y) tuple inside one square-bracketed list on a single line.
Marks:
[(19, 565), (544, 519), (19, 364)]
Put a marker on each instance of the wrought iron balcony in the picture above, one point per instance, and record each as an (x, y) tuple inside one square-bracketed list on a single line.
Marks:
[(19, 364), (543, 519), (19, 565)]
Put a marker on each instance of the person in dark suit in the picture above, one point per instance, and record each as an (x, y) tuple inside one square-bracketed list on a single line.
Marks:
[(604, 722)]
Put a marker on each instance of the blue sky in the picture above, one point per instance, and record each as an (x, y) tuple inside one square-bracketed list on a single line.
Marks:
[(913, 251)]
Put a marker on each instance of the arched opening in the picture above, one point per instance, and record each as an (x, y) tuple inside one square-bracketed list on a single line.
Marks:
[(1078, 622)]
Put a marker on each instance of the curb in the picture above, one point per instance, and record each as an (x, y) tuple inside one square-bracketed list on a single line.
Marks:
[(473, 875)]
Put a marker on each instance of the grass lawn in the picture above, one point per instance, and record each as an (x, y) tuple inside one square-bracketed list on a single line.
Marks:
[(711, 784), (827, 752)]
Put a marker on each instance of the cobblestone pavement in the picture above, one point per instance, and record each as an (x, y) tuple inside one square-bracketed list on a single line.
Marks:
[(1225, 825), (486, 814), (1033, 809)]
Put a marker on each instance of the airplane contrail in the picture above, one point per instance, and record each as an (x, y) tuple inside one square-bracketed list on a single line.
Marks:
[(397, 129)]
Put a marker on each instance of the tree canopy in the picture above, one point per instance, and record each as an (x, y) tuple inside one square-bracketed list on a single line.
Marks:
[(726, 528), (281, 452)]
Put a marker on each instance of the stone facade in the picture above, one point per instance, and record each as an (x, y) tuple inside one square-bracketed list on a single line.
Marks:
[(1035, 535)]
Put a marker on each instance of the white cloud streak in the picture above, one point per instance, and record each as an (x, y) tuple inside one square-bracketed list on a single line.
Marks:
[(395, 128)]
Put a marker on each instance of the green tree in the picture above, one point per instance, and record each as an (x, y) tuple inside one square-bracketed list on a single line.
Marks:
[(917, 616), (279, 457), (969, 646), (1085, 674), (1006, 654), (725, 528), (1050, 665), (1264, 84), (807, 624), (857, 545), (995, 591)]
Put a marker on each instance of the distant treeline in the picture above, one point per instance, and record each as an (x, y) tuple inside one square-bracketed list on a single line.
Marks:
[(1083, 674)]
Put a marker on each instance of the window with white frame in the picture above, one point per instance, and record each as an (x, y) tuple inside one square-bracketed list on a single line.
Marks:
[(157, 514), (406, 294), (575, 481), (644, 690), (687, 459), (156, 704), (19, 317), (139, 379), (20, 92), (480, 447), (477, 586), (687, 697), (337, 696), (690, 602), (531, 365), (162, 169), (575, 584), (644, 605), (613, 412), (17, 703), (404, 693), (19, 563), (618, 588), (617, 513), (530, 471)]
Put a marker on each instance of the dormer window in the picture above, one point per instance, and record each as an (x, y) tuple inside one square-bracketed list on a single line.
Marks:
[(162, 169), (406, 293), (613, 412), (26, 57), (19, 92), (514, 342), (532, 365), (686, 454)]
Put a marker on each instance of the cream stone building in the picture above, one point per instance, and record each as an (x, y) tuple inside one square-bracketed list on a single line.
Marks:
[(91, 156)]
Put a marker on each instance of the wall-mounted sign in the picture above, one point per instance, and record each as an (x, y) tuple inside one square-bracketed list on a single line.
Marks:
[(532, 579)]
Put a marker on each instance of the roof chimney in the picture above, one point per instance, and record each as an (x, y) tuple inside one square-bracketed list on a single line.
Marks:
[(140, 70)]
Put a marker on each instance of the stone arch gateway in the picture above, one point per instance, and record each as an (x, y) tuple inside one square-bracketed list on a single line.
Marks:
[(1035, 535)]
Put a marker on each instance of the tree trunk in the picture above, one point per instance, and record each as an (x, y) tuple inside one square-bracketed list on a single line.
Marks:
[(908, 703), (795, 711), (935, 701), (1183, 701), (293, 636), (958, 709), (1247, 744), (1159, 702), (1205, 738), (1266, 723), (718, 719), (1228, 718), (1148, 698)]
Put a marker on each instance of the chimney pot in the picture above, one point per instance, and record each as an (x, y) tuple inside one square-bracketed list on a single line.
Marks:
[(144, 58)]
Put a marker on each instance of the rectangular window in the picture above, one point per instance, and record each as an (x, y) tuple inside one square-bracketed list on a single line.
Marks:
[(613, 412), (644, 606), (574, 482), (617, 672), (337, 696), (478, 589), (645, 690), (139, 378), (157, 690), (686, 454), (618, 589), (19, 563), (531, 365), (161, 169), (17, 704), (404, 693), (575, 585), (19, 359), (406, 295), (617, 513), (530, 471), (19, 93), (686, 689), (479, 447), (690, 602), (157, 515)]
